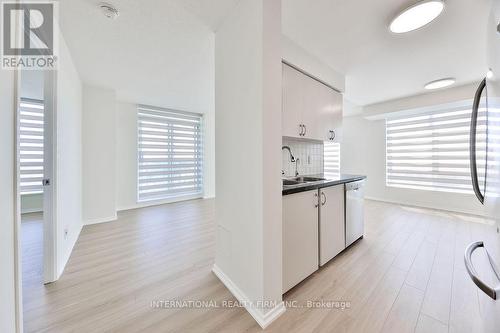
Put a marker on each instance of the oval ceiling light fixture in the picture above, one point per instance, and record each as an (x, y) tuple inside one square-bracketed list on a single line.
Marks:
[(417, 16), (441, 83), (109, 10)]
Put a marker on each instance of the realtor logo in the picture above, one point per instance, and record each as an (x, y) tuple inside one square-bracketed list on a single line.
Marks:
[(28, 35)]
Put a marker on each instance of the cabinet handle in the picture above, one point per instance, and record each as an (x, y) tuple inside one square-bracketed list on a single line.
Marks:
[(301, 130), (316, 196), (324, 197), (305, 129), (333, 135)]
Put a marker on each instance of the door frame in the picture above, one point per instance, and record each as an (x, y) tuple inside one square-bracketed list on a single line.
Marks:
[(49, 170)]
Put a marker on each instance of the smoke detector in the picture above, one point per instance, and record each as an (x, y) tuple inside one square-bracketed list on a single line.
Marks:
[(109, 10)]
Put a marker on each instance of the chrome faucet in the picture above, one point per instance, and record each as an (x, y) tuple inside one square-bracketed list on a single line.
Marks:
[(292, 159)]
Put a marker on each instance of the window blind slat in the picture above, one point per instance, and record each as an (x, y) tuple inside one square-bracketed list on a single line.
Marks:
[(31, 146), (331, 159), (431, 151), (434, 127), (170, 154), (152, 134)]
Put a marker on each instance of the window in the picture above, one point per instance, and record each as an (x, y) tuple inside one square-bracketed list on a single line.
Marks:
[(331, 157), (431, 151), (170, 154), (31, 146)]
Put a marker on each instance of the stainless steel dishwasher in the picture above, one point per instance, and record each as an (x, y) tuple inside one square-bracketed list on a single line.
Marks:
[(354, 211)]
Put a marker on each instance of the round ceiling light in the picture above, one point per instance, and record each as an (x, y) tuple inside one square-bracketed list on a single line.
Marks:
[(417, 16), (441, 83)]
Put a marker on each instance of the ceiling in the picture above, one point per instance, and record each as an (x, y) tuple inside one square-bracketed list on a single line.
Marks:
[(352, 36), (155, 53), (166, 46)]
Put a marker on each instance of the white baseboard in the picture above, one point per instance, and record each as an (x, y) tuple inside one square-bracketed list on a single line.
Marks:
[(101, 220), (430, 207), (264, 320), (145, 204)]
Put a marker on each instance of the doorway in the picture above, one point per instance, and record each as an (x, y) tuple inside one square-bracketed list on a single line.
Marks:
[(35, 176)]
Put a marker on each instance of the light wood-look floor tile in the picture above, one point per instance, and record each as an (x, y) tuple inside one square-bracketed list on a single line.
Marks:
[(405, 275)]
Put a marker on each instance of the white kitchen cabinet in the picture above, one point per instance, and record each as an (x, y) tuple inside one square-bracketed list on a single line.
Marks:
[(331, 223), (329, 115), (300, 237), (293, 102), (311, 109)]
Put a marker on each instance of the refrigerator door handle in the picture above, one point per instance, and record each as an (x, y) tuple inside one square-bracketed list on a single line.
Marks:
[(492, 292), (472, 142)]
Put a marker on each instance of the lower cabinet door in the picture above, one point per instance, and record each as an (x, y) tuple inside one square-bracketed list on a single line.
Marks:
[(331, 223), (300, 237)]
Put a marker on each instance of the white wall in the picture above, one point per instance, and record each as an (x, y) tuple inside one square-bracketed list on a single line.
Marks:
[(422, 102), (363, 152), (126, 135), (248, 159), (69, 156), (7, 174), (99, 155), (297, 56), (126, 156)]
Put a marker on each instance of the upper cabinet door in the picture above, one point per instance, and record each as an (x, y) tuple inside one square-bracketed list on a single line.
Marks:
[(311, 109), (314, 101), (331, 115), (293, 102)]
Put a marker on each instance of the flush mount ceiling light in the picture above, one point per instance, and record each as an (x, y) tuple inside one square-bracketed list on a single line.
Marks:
[(417, 16), (441, 83), (109, 10)]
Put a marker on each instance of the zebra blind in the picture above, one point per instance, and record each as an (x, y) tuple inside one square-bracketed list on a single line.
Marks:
[(31, 146), (331, 159), (431, 151), (170, 154)]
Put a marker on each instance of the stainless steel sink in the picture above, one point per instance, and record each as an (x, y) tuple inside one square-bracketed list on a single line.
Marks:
[(305, 179), (288, 182), (300, 180)]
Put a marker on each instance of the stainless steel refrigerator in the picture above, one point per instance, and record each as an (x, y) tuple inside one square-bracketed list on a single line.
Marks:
[(483, 255)]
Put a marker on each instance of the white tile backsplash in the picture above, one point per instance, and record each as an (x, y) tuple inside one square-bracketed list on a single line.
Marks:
[(309, 153)]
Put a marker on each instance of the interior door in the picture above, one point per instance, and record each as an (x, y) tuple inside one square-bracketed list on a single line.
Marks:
[(49, 199)]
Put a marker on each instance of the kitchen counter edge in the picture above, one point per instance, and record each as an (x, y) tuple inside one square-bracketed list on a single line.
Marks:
[(320, 184)]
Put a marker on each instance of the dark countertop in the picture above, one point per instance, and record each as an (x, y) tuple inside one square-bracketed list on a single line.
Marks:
[(342, 179)]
